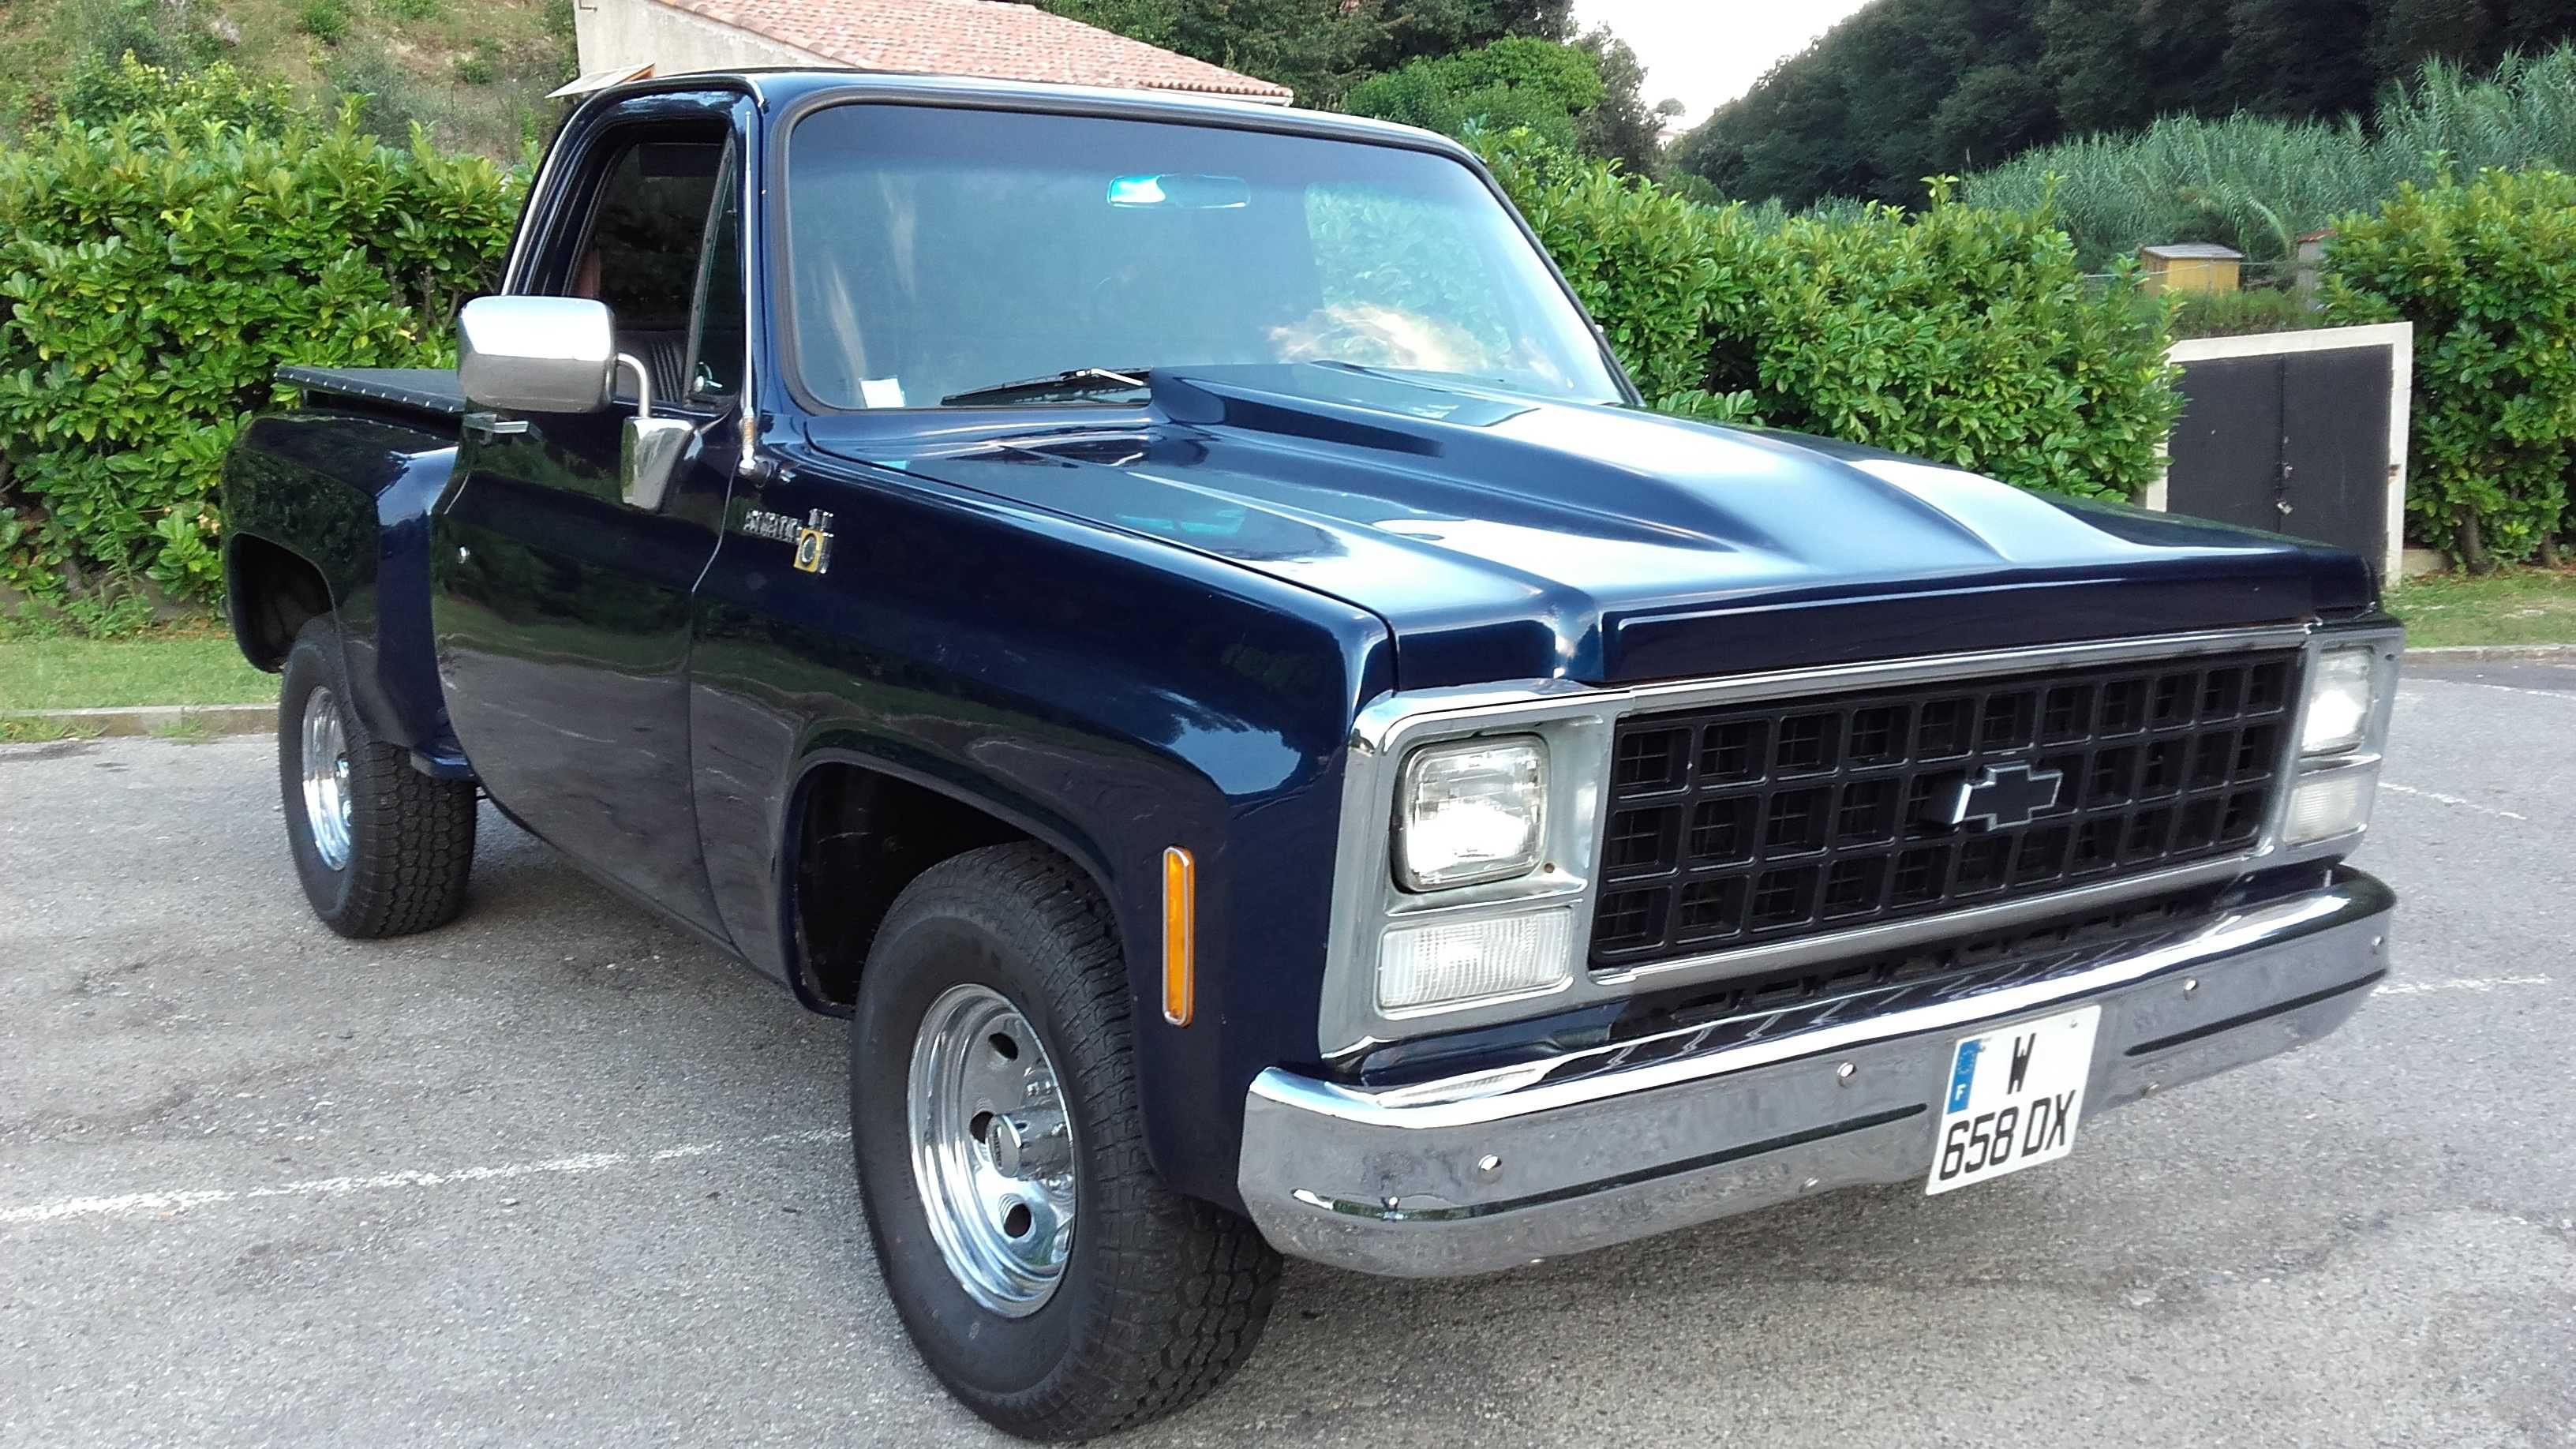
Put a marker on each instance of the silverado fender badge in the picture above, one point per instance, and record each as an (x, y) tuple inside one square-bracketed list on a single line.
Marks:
[(761, 523), (814, 548), (813, 537), (1999, 796)]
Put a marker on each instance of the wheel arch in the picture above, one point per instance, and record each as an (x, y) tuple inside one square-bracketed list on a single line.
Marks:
[(270, 593), (852, 815)]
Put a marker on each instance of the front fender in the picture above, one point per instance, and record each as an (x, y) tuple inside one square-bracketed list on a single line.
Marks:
[(1108, 695)]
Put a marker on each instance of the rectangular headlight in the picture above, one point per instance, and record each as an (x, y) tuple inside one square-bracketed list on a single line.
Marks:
[(1471, 811), (2342, 696), (1454, 962)]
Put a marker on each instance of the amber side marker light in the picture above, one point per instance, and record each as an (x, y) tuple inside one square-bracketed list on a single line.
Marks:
[(1180, 893)]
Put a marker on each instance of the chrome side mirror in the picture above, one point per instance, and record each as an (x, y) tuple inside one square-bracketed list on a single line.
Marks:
[(536, 354)]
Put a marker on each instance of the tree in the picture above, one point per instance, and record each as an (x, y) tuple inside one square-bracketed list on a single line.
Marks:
[(2471, 33), (1514, 83), (1321, 48), (1420, 29), (1995, 111), (1909, 88), (1623, 128), (2297, 58), (2118, 67)]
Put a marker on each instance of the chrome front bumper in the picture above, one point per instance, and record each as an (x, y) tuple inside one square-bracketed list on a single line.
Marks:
[(1495, 1169)]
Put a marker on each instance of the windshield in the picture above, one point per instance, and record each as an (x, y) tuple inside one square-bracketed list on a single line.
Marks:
[(938, 253)]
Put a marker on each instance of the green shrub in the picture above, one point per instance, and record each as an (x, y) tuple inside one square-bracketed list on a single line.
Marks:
[(156, 269), (127, 86), (1663, 276), (2242, 314), (481, 117), (389, 101), (171, 34), (1958, 334), (2486, 270), (415, 9), (325, 20)]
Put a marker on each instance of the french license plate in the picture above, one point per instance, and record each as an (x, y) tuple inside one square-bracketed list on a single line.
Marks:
[(2015, 1097)]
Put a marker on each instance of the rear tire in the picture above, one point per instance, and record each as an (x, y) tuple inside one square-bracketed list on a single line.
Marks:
[(382, 849), (1156, 1297)]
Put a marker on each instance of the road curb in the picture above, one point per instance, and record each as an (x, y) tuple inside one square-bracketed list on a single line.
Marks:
[(2495, 651), (162, 719)]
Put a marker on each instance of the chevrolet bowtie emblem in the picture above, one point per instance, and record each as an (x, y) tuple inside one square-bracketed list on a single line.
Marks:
[(814, 542), (1998, 796)]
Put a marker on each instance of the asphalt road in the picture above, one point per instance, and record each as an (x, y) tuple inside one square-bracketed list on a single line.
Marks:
[(556, 1174)]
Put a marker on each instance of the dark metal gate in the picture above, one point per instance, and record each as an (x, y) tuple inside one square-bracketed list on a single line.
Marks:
[(2295, 442)]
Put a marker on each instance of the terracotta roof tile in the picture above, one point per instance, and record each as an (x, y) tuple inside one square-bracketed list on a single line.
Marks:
[(993, 38)]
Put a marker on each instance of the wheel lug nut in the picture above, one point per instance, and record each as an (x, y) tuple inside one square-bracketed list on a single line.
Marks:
[(1028, 1145)]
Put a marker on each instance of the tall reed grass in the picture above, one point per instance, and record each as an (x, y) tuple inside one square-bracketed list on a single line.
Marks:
[(2257, 184)]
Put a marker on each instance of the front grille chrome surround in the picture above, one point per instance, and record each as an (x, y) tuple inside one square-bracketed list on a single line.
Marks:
[(1763, 821), (1582, 724)]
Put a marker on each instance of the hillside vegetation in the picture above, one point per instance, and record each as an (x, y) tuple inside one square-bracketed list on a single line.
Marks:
[(474, 72)]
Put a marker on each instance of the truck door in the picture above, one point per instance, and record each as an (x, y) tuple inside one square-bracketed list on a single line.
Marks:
[(561, 599)]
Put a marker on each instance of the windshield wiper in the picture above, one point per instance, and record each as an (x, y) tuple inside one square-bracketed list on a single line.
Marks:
[(1077, 380)]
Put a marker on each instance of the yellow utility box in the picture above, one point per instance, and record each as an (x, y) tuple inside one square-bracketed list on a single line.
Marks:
[(2191, 267)]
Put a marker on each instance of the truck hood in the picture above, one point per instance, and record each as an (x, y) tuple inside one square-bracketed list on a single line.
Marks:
[(1505, 538)]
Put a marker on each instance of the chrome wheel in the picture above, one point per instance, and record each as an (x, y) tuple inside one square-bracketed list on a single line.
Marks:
[(992, 1151), (326, 778)]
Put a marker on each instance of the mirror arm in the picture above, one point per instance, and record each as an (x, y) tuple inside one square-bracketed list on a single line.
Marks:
[(643, 383)]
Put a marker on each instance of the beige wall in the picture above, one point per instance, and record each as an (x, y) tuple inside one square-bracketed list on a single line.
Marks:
[(613, 33)]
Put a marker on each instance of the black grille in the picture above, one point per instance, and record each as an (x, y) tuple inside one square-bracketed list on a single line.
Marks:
[(1746, 824)]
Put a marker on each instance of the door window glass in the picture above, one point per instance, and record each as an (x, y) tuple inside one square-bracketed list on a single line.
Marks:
[(642, 256), (715, 369)]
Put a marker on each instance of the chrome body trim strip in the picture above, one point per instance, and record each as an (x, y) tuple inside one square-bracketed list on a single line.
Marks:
[(1487, 1170)]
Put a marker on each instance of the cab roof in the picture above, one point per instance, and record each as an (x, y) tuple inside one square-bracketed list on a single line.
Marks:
[(784, 92)]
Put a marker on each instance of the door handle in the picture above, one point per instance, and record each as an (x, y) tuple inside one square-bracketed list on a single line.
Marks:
[(487, 426)]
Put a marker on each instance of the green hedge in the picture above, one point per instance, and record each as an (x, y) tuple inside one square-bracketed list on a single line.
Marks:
[(157, 268), (1958, 333), (2486, 270)]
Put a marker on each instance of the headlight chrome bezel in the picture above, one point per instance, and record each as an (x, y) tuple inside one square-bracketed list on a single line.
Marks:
[(2345, 762), (2332, 672), (1420, 769)]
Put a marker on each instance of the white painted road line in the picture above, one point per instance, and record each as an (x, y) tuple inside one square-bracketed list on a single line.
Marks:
[(179, 1200), (184, 1198), (2459, 983), (2439, 798), (2562, 696)]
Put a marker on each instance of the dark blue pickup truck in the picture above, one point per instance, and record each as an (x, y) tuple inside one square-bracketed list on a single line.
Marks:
[(1167, 615)]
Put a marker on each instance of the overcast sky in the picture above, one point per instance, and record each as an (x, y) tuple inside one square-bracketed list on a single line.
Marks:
[(1704, 52)]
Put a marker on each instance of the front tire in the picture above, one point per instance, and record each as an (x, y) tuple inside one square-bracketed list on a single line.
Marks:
[(1045, 1273), (382, 849)]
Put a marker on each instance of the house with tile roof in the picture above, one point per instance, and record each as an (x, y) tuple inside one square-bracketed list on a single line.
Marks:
[(999, 39)]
